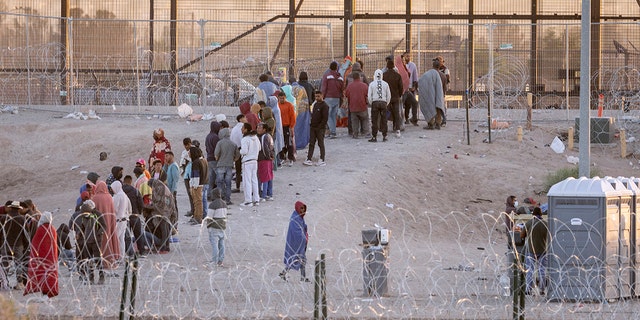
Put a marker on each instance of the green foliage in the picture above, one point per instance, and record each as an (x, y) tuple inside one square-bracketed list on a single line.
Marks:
[(564, 173)]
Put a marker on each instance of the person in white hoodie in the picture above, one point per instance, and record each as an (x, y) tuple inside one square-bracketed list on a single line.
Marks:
[(379, 96), (122, 207), (250, 147)]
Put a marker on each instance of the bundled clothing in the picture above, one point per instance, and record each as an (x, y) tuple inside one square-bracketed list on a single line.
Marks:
[(165, 215), (89, 226), (295, 251), (431, 97)]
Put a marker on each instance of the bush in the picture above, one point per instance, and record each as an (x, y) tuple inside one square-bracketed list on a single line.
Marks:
[(564, 173)]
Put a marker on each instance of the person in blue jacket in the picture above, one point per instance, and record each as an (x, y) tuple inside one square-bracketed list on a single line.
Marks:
[(295, 251)]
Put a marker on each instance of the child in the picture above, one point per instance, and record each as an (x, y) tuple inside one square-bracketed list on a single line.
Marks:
[(216, 224), (265, 162)]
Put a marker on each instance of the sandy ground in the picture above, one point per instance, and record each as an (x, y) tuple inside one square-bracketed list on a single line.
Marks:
[(439, 196)]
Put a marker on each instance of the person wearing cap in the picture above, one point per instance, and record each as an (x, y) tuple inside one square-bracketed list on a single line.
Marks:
[(295, 250), (141, 163), (536, 232), (160, 146), (89, 186), (89, 227), (431, 96), (332, 87), (17, 241)]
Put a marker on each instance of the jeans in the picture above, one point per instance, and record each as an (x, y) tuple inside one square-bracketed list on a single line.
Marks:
[(334, 104), (205, 206), (223, 174), (216, 237), (267, 189), (212, 178), (533, 262), (360, 122)]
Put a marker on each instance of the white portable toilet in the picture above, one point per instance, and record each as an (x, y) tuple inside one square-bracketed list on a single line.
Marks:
[(631, 183), (625, 267), (584, 229)]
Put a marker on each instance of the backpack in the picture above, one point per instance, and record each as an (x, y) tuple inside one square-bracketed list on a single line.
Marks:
[(268, 150)]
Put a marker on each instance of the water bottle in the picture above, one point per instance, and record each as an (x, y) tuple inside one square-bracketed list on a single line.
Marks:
[(505, 287)]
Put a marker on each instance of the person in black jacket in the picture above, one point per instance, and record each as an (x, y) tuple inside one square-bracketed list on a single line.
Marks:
[(393, 78), (319, 118), (17, 240)]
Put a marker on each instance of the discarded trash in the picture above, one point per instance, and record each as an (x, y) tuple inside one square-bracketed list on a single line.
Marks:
[(208, 116), (184, 110), (572, 159), (9, 109), (75, 167), (389, 205), (557, 146), (220, 117)]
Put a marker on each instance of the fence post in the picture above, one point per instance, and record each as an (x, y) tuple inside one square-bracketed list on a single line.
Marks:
[(623, 143), (320, 290), (316, 291), (125, 288), (134, 287)]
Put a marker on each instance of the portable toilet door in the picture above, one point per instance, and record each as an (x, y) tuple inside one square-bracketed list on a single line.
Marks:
[(583, 246), (634, 185), (625, 267)]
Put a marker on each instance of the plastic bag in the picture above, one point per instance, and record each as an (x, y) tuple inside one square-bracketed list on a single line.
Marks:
[(557, 145)]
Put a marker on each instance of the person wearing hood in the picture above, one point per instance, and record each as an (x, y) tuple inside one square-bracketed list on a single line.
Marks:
[(432, 96), (198, 179), (295, 250), (226, 154), (16, 239), (122, 207), (249, 151), (267, 86), (116, 174), (216, 225), (394, 79), (210, 143), (357, 68), (160, 146), (379, 96), (109, 247), (236, 138), (165, 215), (43, 262)]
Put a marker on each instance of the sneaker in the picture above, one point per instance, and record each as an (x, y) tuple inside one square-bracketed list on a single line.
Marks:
[(373, 139), (220, 264), (321, 163), (290, 164), (188, 214), (333, 136), (247, 204), (398, 135), (229, 202), (308, 162), (263, 199), (255, 204), (384, 139), (283, 276), (269, 198), (304, 279), (406, 121)]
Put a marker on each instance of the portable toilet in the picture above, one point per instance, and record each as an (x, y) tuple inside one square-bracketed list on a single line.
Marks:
[(625, 267), (631, 183), (583, 249)]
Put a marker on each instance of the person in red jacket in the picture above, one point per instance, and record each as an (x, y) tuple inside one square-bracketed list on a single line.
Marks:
[(356, 94), (332, 87), (288, 115)]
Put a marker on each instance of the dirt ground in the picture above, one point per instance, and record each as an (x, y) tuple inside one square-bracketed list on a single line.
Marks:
[(438, 194)]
